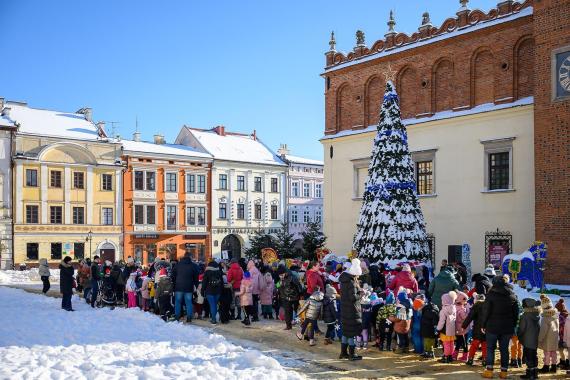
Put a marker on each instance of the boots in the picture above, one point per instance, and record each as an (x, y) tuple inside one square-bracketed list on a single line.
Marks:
[(445, 359), (469, 362), (519, 362), (328, 341), (553, 368), (351, 355), (455, 354), (343, 351), (531, 374), (487, 373), (526, 375), (513, 363), (463, 356), (503, 374), (246, 321), (545, 369)]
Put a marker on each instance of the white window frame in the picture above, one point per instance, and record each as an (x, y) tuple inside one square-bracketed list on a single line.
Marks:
[(498, 145), (307, 186), (422, 156), (357, 164), (295, 189), (187, 184), (318, 190), (103, 216), (294, 216), (306, 216), (166, 181), (166, 206)]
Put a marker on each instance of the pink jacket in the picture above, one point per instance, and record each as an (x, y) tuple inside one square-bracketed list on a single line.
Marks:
[(447, 315), (404, 279), (145, 292), (266, 295), (256, 278), (461, 313), (245, 292)]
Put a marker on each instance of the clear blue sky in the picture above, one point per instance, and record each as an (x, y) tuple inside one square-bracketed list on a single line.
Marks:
[(244, 64)]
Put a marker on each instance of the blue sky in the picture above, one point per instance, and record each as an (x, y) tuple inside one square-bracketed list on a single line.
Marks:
[(243, 64)]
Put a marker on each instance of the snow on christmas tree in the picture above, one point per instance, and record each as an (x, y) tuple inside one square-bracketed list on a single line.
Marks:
[(391, 224)]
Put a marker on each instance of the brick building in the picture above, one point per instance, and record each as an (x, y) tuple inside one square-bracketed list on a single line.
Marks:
[(486, 99)]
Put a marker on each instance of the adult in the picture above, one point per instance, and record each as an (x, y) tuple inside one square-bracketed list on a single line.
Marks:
[(84, 278), (289, 293), (490, 272), (364, 278), (314, 279), (442, 284), (212, 286), (405, 279), (500, 316), (460, 273), (257, 285), (66, 283), (377, 279), (43, 271), (185, 278), (95, 278), (117, 277), (481, 283), (350, 310), (235, 275)]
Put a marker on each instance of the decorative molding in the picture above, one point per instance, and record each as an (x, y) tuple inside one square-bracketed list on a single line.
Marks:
[(141, 194)]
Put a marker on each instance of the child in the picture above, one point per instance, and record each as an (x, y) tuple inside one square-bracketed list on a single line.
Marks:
[(145, 294), (562, 316), (429, 320), (198, 300), (417, 307), (516, 348), (163, 293), (566, 339), (460, 332), (151, 294), (132, 290), (226, 301), (329, 312), (529, 327), (266, 296), (366, 307), (313, 310), (402, 321), (385, 327), (548, 334), (446, 325), (479, 339), (376, 303), (246, 297)]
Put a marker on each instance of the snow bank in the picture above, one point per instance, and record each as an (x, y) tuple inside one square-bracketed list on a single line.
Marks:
[(26, 277), (39, 340), (533, 293)]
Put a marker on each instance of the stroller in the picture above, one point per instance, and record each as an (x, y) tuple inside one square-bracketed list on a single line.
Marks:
[(106, 295)]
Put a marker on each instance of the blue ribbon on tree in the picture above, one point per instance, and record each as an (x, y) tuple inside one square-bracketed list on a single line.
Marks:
[(382, 190), (391, 97), (390, 132)]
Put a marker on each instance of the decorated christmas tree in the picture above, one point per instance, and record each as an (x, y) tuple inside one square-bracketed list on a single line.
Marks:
[(391, 224)]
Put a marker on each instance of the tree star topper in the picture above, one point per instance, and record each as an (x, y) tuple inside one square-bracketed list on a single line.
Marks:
[(389, 74)]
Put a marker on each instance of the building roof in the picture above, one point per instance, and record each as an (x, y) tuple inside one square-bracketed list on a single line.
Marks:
[(235, 147), (5, 122), (52, 123), (302, 160), (163, 149)]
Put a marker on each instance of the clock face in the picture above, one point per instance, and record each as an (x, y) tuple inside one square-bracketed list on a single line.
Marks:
[(564, 74)]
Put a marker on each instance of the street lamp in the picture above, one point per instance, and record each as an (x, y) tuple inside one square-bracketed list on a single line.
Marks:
[(89, 238)]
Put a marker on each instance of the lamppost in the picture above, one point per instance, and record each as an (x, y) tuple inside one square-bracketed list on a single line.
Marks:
[(89, 238)]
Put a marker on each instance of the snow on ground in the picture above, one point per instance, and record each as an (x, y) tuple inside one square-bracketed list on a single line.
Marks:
[(39, 340), (26, 277)]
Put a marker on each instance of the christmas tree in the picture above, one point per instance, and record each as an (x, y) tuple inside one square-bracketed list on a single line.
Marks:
[(313, 239), (391, 224)]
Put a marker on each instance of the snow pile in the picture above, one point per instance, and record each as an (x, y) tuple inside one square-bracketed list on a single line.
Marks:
[(26, 277), (533, 293), (39, 340)]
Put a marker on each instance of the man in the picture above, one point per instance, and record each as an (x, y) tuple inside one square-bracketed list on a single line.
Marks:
[(289, 293), (442, 284), (95, 277), (235, 275), (185, 278)]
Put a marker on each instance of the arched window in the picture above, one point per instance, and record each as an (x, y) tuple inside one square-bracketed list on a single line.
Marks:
[(443, 79), (483, 78)]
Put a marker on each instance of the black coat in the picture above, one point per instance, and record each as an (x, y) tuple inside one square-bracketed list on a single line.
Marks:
[(430, 318), (476, 316), (290, 289), (350, 309), (65, 278), (185, 276), (500, 310), (212, 283), (377, 279), (95, 273), (482, 283), (529, 324), (329, 310)]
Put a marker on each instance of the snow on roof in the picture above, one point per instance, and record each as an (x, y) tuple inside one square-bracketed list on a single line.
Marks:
[(5, 122), (166, 149), (302, 160), (235, 147), (52, 123), (449, 114)]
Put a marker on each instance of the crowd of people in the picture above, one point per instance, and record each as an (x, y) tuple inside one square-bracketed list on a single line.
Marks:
[(362, 305)]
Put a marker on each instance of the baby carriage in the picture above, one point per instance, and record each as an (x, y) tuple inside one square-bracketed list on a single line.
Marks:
[(106, 295)]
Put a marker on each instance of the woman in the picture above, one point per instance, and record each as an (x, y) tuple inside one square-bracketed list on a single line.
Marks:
[(350, 310), (212, 285), (66, 283), (43, 271)]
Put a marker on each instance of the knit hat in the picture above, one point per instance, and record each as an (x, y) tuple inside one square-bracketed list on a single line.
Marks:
[(406, 268), (461, 298), (330, 291), (390, 298), (561, 307), (355, 269), (246, 274), (418, 304), (490, 271), (545, 302), (162, 272)]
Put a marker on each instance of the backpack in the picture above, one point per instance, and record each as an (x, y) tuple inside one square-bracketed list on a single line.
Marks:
[(139, 281), (215, 281), (164, 286)]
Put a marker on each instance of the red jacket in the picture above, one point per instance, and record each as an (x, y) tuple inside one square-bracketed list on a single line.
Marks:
[(314, 281), (235, 275), (405, 279)]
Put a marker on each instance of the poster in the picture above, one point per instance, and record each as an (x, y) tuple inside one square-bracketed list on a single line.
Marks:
[(268, 256), (67, 249), (225, 255), (466, 260), (497, 254)]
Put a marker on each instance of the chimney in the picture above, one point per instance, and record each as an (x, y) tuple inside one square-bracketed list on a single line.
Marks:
[(87, 112), (254, 135), (283, 151), (101, 129), (158, 139), (6, 111), (1, 104), (220, 130), (137, 136)]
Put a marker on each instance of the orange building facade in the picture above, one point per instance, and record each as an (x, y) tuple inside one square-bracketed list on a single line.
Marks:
[(166, 201)]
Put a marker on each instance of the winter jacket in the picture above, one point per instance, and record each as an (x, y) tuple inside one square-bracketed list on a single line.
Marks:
[(266, 295), (366, 314), (256, 278), (65, 278), (562, 315), (501, 310), (185, 275), (443, 283), (235, 275), (213, 282), (548, 334), (461, 313), (290, 288), (529, 324), (313, 307), (95, 273), (314, 282), (329, 310), (475, 315), (163, 286), (43, 269), (405, 280), (365, 278), (131, 283), (246, 292), (447, 316), (350, 310), (430, 318), (482, 283), (377, 279), (116, 275), (145, 293), (402, 321), (566, 337), (385, 312)]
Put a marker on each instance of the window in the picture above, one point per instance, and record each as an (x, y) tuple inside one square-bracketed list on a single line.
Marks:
[(201, 216), (201, 184), (318, 216), (274, 186), (55, 178), (107, 182), (306, 216), (223, 181), (257, 211), (222, 211), (499, 170), (56, 251), (273, 211), (319, 190), (190, 183), (78, 215), (294, 216), (240, 183), (107, 216), (79, 250), (139, 253), (32, 250), (241, 211), (257, 184), (190, 216), (139, 180), (306, 190), (295, 189), (151, 252), (32, 177), (150, 181), (32, 214), (78, 178), (170, 182), (171, 217), (150, 214), (55, 214), (139, 214), (424, 177)]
